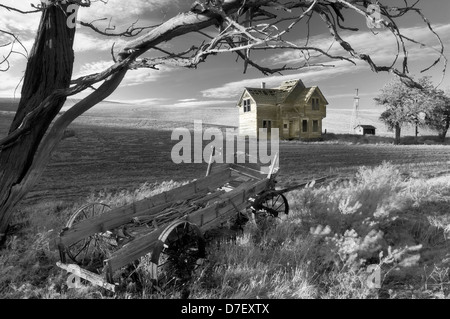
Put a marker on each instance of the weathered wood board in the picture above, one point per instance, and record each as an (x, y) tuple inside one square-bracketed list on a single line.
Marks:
[(87, 275), (211, 216), (149, 206)]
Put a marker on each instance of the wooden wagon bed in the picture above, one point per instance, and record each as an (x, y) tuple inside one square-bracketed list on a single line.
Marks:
[(142, 227), (98, 241)]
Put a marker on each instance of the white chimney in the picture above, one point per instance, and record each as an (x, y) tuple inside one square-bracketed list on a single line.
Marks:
[(263, 85)]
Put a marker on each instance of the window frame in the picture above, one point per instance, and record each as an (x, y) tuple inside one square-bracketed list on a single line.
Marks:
[(315, 128), (247, 105), (315, 104), (305, 126)]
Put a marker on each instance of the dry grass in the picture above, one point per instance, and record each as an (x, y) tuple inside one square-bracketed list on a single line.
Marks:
[(322, 250)]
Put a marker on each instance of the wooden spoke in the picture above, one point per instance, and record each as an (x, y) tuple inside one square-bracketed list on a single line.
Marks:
[(269, 207), (178, 253), (90, 251)]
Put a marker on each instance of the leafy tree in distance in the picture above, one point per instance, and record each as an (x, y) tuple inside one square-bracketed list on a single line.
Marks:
[(438, 116), (236, 26), (423, 106), (400, 107)]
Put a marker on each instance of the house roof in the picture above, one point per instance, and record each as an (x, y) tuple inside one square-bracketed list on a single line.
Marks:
[(366, 126), (261, 95), (287, 92), (290, 90)]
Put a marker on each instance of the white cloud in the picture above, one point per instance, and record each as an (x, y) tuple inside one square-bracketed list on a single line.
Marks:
[(144, 102), (88, 42), (187, 100), (133, 77), (123, 14), (93, 67), (17, 22), (202, 103), (141, 76), (121, 10), (233, 89), (8, 85), (381, 46)]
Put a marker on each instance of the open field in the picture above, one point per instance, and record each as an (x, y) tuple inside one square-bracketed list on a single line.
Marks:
[(112, 154), (107, 153), (112, 157), (141, 115)]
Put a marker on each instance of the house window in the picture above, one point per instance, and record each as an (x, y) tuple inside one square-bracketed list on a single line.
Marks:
[(315, 126), (305, 125), (247, 104), (267, 124), (285, 126), (315, 104)]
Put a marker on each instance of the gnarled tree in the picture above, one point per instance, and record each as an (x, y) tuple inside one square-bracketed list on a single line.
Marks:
[(238, 26)]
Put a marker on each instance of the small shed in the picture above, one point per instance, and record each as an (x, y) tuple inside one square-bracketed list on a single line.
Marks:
[(365, 130)]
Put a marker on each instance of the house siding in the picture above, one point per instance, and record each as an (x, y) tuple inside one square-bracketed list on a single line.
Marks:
[(247, 120), (267, 112), (286, 110)]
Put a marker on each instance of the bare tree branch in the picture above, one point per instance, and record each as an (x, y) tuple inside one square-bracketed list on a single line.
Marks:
[(242, 37), (17, 10), (131, 31), (15, 39), (229, 26)]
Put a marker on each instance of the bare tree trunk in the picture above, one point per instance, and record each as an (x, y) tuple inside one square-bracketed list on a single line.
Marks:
[(443, 132), (49, 67), (397, 134)]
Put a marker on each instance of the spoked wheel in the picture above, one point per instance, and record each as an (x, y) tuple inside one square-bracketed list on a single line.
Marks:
[(179, 252), (91, 250), (269, 208)]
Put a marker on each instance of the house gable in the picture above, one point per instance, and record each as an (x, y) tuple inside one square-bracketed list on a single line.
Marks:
[(290, 91), (243, 96), (315, 91)]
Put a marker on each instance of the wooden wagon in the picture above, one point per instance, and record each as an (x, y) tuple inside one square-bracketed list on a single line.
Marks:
[(97, 241)]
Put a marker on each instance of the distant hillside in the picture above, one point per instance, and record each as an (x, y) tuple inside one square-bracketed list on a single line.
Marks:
[(227, 116), (337, 120), (8, 104)]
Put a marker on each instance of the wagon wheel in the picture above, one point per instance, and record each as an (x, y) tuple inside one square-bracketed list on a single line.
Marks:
[(270, 207), (180, 250), (89, 250)]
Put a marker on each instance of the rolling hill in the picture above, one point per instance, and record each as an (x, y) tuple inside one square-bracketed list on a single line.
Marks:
[(144, 116)]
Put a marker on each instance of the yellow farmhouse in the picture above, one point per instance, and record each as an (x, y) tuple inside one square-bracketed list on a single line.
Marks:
[(297, 111)]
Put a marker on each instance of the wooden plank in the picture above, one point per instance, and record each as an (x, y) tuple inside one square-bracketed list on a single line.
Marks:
[(217, 167), (247, 171), (134, 250), (205, 218), (155, 204), (87, 275), (144, 243), (222, 210)]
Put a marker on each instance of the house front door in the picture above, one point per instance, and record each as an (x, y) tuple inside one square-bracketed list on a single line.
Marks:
[(291, 129)]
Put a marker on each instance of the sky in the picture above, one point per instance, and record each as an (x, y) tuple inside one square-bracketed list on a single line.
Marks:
[(220, 80)]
